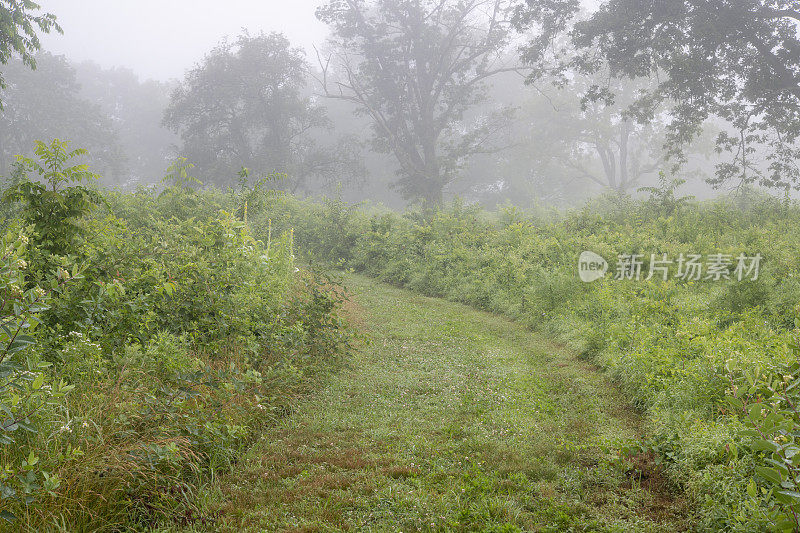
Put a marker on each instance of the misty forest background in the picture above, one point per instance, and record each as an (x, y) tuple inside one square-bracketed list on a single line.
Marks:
[(256, 101)]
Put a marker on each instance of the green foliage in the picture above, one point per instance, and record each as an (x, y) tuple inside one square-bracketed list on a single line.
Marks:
[(672, 346), (379, 45), (663, 197), (250, 94), (256, 197), (26, 388), (178, 174), (51, 101), (734, 70), (56, 202), (18, 31), (766, 398), (179, 338)]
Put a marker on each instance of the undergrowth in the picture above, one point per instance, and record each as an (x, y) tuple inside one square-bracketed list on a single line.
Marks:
[(676, 347), (146, 340)]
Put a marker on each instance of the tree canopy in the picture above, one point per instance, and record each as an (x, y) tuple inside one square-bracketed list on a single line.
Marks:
[(416, 69), (245, 106), (136, 108), (47, 103), (19, 20), (732, 60)]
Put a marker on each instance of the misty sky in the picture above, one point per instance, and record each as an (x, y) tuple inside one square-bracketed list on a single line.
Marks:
[(161, 39)]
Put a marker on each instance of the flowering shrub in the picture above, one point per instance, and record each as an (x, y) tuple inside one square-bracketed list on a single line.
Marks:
[(27, 391)]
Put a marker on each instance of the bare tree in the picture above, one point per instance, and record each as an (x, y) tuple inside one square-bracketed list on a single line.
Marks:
[(624, 151), (416, 68)]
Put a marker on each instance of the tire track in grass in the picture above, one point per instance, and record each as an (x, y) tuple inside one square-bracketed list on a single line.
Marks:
[(449, 419)]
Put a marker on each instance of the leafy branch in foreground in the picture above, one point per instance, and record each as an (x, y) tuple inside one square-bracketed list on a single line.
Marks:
[(56, 201), (767, 400), (24, 387), (18, 31)]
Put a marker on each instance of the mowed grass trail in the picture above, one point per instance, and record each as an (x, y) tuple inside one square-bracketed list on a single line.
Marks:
[(449, 419)]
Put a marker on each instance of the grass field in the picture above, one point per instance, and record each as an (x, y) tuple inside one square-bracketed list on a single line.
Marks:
[(449, 419)]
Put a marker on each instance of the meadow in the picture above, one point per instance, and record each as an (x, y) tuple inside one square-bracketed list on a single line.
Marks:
[(152, 340), (414, 265), (712, 364)]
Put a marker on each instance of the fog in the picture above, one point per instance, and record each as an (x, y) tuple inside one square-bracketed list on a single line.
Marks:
[(160, 40), (400, 265), (277, 88)]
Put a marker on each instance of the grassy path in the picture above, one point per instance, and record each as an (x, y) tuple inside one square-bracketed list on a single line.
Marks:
[(449, 419)]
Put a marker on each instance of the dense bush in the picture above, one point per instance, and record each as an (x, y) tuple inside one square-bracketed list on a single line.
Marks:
[(675, 347), (143, 347), (146, 339)]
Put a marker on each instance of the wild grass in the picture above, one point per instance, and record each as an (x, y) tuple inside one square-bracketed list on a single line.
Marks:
[(179, 338), (449, 419), (674, 347)]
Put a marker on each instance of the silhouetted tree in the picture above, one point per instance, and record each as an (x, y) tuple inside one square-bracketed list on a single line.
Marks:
[(136, 109), (416, 67), (738, 60), (245, 106), (47, 104)]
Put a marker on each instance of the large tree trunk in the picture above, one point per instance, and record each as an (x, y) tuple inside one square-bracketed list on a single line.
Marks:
[(434, 184), (434, 194), (624, 176), (609, 164)]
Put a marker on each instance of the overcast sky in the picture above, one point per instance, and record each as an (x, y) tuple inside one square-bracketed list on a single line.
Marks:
[(162, 38)]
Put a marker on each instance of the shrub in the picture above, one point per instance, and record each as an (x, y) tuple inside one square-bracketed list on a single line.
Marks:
[(666, 343), (179, 339)]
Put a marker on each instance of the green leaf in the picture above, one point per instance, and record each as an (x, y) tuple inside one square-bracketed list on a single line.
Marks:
[(785, 524), (735, 403), (754, 412), (770, 474), (27, 426), (763, 445), (20, 343), (788, 497)]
